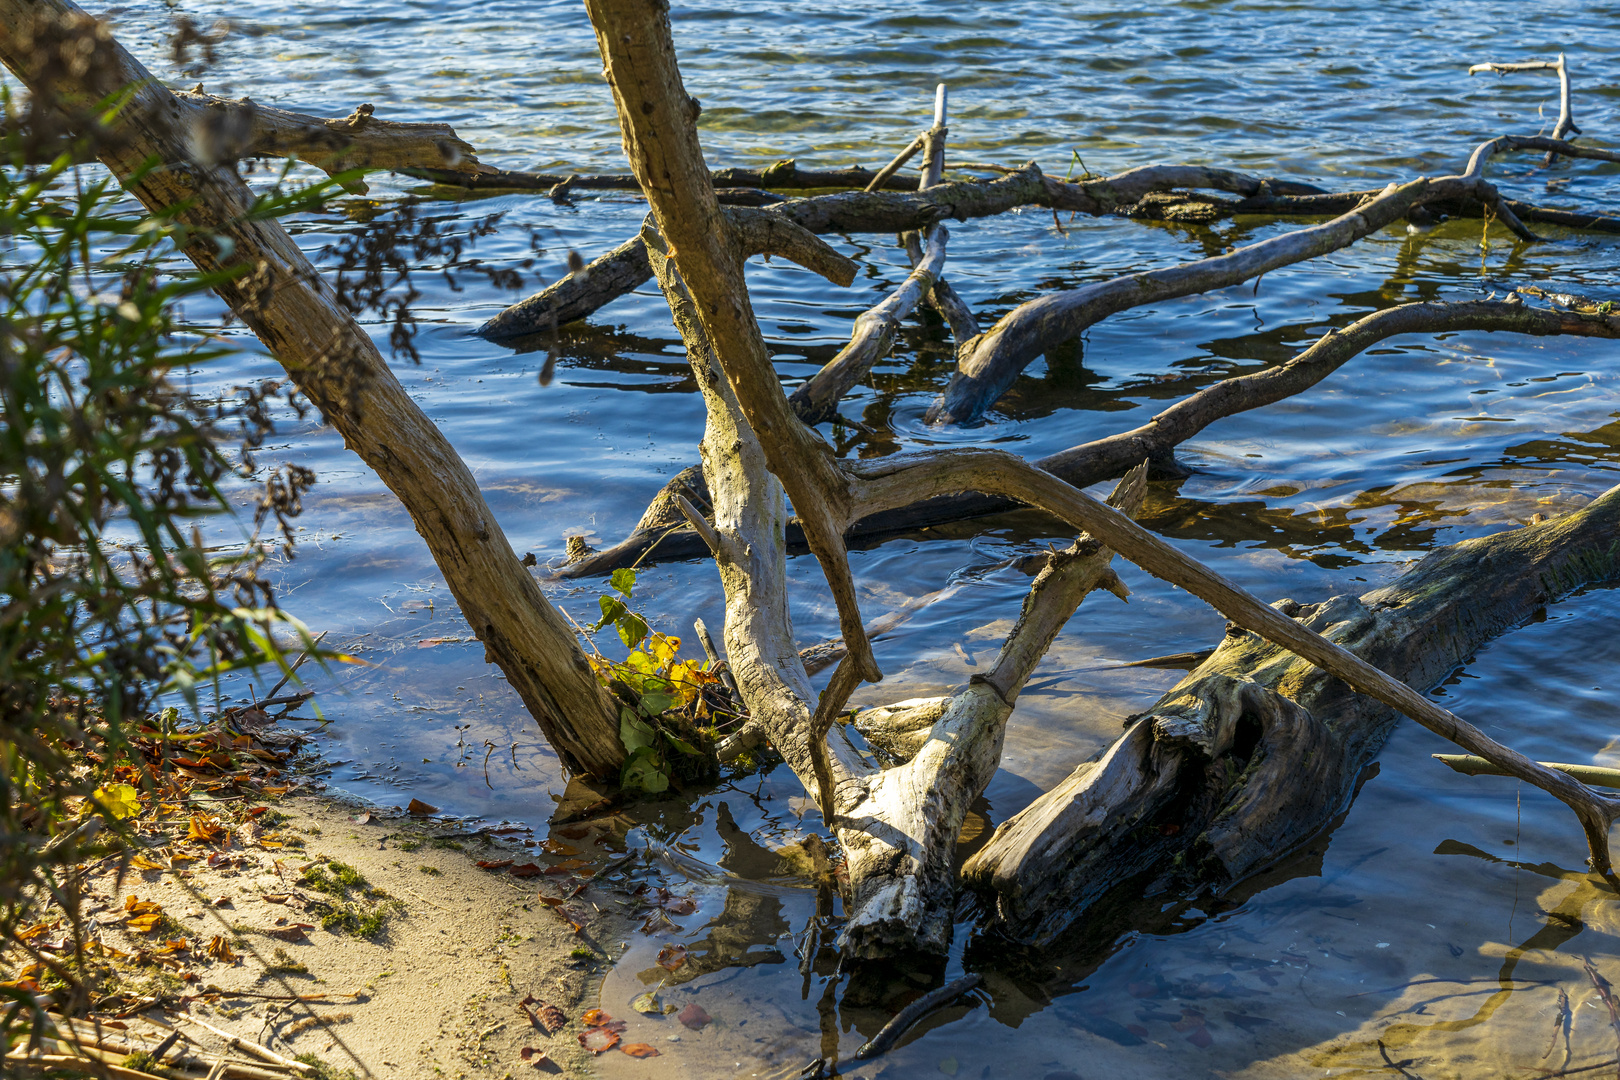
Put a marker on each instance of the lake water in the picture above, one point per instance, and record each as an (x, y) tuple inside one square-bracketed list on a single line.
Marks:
[(1441, 919)]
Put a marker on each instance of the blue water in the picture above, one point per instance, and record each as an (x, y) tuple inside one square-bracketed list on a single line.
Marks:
[(1417, 444)]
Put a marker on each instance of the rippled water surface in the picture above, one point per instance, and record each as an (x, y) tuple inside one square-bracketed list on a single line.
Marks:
[(1433, 930)]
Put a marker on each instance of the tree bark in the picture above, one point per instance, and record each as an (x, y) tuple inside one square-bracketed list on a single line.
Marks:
[(281, 297), (1256, 751)]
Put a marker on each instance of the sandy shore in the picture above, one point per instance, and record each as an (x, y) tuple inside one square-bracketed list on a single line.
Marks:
[(415, 959)]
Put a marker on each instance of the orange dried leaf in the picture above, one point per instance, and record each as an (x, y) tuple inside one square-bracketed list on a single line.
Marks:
[(557, 847), (417, 806), (145, 924), (220, 949), (141, 862), (527, 870), (598, 1040), (136, 906), (671, 957), (594, 1018), (552, 1019), (639, 1050)]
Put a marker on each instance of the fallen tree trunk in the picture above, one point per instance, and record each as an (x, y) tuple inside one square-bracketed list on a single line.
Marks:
[(272, 286), (1109, 457), (1257, 750)]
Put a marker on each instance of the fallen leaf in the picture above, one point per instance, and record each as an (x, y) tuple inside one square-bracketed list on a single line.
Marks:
[(551, 901), (598, 1040), (695, 1017), (557, 847), (594, 1018), (647, 1004), (145, 924), (132, 904), (552, 1018), (567, 866), (174, 946), (417, 806), (671, 957), (1201, 1038), (639, 1050), (219, 949), (363, 819), (529, 1052), (180, 856), (578, 832), (493, 864), (275, 898), (141, 862), (294, 932), (527, 870), (203, 830)]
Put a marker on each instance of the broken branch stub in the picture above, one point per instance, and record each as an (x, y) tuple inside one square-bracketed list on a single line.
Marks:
[(271, 285), (1257, 750)]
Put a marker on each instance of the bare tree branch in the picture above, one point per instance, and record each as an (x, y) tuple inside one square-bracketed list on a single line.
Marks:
[(270, 284)]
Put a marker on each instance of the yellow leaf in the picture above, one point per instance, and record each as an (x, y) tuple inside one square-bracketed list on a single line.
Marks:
[(219, 949), (119, 800), (180, 856), (136, 906), (664, 647), (145, 924), (141, 862)]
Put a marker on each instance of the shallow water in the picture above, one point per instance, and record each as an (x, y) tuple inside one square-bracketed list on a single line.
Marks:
[(1412, 923)]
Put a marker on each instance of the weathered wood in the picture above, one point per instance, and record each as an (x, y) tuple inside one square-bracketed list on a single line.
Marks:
[(294, 311), (1565, 127), (1257, 750), (816, 400), (626, 269), (988, 365), (1108, 457), (1469, 765), (658, 119), (784, 175), (225, 129)]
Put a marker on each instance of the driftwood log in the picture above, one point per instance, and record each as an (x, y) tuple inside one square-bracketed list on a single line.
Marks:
[(1256, 750), (898, 825), (278, 294), (1108, 457)]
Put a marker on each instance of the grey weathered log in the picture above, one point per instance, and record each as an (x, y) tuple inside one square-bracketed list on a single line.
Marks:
[(1108, 457), (988, 365), (987, 368), (784, 175), (625, 268), (1257, 750), (279, 295), (816, 399)]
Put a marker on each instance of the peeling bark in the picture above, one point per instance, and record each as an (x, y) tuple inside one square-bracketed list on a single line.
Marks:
[(1257, 750)]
